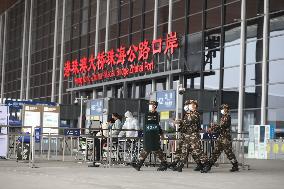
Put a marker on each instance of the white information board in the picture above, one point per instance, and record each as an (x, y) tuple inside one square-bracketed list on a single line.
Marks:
[(4, 117)]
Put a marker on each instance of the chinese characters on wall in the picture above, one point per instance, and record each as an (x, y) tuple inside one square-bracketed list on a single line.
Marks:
[(118, 63)]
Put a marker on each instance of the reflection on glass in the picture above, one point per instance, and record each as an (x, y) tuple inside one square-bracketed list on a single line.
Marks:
[(276, 71), (231, 77), (232, 56), (276, 47), (276, 96), (212, 81)]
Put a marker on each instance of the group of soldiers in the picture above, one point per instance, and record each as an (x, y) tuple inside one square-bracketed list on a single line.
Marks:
[(190, 140)]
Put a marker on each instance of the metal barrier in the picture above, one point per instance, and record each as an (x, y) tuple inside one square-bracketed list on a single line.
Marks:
[(275, 149), (107, 150)]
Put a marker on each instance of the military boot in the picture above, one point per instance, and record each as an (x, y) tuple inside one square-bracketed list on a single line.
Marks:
[(137, 165), (163, 166), (235, 167), (199, 167), (179, 166), (206, 167)]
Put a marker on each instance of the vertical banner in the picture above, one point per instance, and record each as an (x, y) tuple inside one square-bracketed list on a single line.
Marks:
[(50, 119), (4, 131)]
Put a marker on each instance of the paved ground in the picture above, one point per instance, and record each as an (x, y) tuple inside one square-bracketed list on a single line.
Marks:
[(263, 174)]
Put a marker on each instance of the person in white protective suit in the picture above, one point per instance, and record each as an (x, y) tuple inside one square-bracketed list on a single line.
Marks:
[(130, 123)]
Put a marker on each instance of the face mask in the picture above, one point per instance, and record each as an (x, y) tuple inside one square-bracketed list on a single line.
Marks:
[(222, 111), (150, 107), (186, 108), (190, 107)]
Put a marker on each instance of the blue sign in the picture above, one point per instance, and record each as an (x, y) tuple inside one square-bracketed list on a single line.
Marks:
[(37, 135), (272, 131), (15, 107), (72, 132), (97, 107), (166, 100)]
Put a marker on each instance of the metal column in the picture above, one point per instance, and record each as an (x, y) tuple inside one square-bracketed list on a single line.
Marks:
[(155, 20), (242, 68), (107, 26), (53, 84), (24, 50), (97, 28), (170, 76), (265, 62), (4, 56), (29, 51), (60, 90), (1, 44)]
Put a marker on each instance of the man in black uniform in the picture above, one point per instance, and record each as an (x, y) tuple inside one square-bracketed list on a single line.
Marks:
[(152, 133)]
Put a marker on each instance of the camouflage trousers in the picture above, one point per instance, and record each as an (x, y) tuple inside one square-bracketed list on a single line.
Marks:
[(191, 144), (159, 153), (223, 143)]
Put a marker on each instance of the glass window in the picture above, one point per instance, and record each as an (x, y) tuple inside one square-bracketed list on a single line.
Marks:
[(178, 9), (254, 7), (211, 81), (250, 74), (276, 26), (232, 36), (232, 56), (137, 7), (124, 27), (213, 18), (195, 23), (212, 59), (195, 6), (149, 19), (136, 23), (231, 77), (276, 5), (276, 69), (276, 96), (149, 5), (233, 12), (124, 11), (178, 26), (213, 3), (276, 47), (163, 14)]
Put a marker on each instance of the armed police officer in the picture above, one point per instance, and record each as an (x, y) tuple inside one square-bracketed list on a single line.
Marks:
[(152, 133), (190, 127), (224, 141)]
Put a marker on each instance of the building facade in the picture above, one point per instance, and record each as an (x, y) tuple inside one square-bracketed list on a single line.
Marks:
[(232, 47)]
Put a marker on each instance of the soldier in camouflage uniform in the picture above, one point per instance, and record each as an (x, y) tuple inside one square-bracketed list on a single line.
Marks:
[(224, 142), (151, 137), (190, 140)]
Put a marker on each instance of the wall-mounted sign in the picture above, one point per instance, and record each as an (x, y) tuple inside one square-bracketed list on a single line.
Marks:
[(119, 63), (166, 100), (97, 107)]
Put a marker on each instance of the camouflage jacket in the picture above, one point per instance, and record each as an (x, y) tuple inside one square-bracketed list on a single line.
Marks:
[(190, 123), (225, 125)]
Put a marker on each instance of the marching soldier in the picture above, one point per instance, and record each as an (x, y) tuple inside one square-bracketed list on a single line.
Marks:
[(224, 142), (152, 133), (190, 127)]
